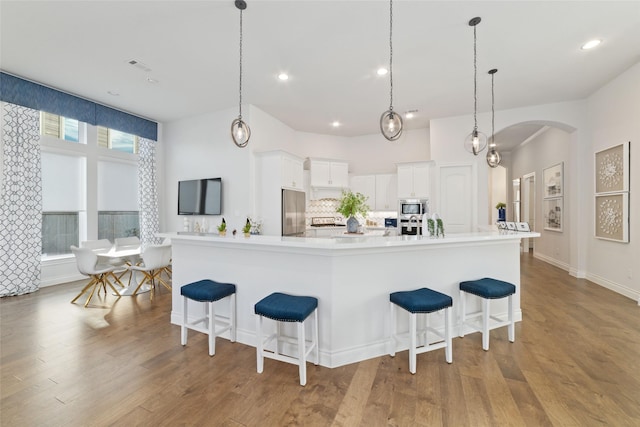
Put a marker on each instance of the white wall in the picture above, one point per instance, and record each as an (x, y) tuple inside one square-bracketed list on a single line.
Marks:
[(547, 149), (614, 116)]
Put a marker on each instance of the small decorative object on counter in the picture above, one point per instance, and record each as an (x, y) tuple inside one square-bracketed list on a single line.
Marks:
[(222, 228), (185, 224), (431, 226), (352, 204), (247, 228), (502, 216), (439, 228)]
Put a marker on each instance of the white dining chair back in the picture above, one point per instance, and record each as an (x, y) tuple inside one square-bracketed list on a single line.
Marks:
[(102, 245), (87, 262), (154, 259), (127, 242)]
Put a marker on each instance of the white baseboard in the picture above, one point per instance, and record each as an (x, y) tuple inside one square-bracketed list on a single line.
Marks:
[(552, 261)]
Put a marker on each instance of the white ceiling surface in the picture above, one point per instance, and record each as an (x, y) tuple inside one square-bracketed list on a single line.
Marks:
[(331, 49)]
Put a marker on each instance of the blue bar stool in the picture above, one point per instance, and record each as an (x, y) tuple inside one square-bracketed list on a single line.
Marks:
[(421, 301), (287, 308), (209, 291), (487, 289)]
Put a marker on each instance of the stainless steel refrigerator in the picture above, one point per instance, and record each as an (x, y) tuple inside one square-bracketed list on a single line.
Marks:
[(293, 207)]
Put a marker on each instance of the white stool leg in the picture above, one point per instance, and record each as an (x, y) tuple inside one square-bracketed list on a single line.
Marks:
[(485, 323), (183, 329), (448, 351), (212, 329), (259, 344), (412, 342), (315, 336), (232, 320), (302, 362), (512, 327), (392, 336), (463, 310)]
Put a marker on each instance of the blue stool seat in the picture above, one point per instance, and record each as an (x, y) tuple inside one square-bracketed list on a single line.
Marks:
[(421, 301), (208, 292), (287, 308), (487, 289)]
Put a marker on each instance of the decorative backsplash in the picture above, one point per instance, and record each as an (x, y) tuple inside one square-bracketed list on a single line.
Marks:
[(327, 208)]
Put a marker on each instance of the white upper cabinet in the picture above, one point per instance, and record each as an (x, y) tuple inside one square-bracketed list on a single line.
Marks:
[(329, 173), (386, 192), (413, 179), (381, 190), (292, 175)]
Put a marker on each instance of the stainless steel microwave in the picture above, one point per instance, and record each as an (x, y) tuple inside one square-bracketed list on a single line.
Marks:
[(408, 207)]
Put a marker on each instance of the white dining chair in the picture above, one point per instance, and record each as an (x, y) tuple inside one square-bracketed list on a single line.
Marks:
[(154, 259), (102, 246), (128, 243), (167, 270), (87, 262)]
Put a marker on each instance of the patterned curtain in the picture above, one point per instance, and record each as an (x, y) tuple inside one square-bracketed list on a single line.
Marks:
[(148, 193), (20, 201)]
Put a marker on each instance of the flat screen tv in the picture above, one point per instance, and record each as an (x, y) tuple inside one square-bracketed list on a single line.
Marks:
[(200, 197)]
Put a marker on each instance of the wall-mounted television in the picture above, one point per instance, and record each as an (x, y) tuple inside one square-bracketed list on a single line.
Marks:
[(200, 197)]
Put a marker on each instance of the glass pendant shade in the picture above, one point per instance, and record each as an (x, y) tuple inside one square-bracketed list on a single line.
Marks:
[(391, 125), (240, 132), (493, 157), (475, 142)]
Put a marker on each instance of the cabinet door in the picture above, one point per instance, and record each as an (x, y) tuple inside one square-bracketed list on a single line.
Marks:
[(386, 193), (405, 182), (339, 172), (292, 170), (320, 173), (421, 180), (365, 184)]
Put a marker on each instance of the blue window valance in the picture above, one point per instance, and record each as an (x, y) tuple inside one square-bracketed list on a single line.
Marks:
[(33, 95)]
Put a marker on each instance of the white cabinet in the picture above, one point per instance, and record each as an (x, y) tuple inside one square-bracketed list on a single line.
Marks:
[(329, 173), (414, 179), (381, 190), (386, 192), (292, 168)]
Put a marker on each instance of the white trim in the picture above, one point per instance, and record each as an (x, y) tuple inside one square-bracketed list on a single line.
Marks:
[(552, 261)]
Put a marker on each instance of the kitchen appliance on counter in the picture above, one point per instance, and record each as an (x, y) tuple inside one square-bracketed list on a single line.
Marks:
[(293, 211), (410, 214)]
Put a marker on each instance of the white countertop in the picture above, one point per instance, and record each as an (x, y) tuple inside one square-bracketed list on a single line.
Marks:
[(355, 242)]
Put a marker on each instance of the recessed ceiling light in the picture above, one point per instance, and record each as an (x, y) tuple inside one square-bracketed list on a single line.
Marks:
[(335, 124), (152, 80), (283, 76), (591, 44), (113, 93), (382, 71), (410, 114)]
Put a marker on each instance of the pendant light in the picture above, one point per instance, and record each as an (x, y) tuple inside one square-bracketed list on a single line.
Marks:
[(476, 141), (240, 131), (390, 121), (493, 157)]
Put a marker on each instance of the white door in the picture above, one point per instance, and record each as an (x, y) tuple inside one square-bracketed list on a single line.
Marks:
[(456, 205)]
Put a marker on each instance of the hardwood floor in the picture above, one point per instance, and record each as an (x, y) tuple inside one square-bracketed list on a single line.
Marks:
[(575, 362)]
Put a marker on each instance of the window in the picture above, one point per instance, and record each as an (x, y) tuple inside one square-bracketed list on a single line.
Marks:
[(116, 140), (60, 230), (59, 127), (114, 224)]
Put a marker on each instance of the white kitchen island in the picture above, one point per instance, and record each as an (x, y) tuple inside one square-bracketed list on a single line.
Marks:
[(351, 278)]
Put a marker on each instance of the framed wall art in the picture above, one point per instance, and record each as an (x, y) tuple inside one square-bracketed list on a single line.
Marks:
[(612, 217), (553, 214), (612, 169), (553, 181)]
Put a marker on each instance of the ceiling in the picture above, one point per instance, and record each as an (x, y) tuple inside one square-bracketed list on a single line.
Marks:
[(331, 50)]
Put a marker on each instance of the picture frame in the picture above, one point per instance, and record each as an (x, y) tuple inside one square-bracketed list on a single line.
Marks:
[(612, 169), (511, 226), (612, 217), (553, 181), (553, 214), (523, 226)]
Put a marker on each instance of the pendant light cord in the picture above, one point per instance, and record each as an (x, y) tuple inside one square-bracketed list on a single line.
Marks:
[(475, 82), (391, 55), (493, 116), (240, 90)]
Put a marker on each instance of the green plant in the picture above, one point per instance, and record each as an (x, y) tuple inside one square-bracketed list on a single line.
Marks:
[(247, 227), (501, 205), (222, 226), (352, 204)]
